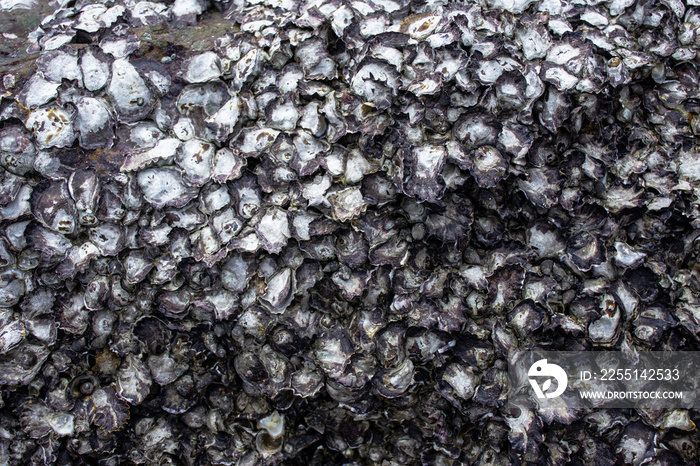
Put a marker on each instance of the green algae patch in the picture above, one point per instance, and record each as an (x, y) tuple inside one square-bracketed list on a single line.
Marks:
[(15, 27), (166, 39)]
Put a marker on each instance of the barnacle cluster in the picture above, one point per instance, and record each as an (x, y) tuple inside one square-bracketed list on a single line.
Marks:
[(286, 232)]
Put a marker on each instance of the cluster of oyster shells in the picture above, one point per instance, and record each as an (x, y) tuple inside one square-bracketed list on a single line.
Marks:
[(317, 232)]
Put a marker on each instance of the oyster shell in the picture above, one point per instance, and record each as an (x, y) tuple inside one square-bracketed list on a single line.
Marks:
[(128, 92), (165, 187), (52, 127)]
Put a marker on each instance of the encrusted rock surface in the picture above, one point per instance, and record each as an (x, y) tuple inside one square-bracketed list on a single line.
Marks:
[(284, 232)]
